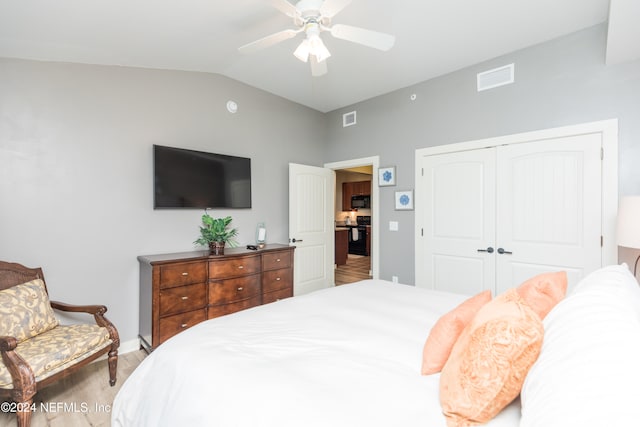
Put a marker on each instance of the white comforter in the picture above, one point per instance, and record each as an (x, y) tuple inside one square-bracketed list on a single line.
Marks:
[(347, 356)]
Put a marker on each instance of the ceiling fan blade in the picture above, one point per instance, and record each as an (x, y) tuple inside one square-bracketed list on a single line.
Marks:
[(369, 38), (268, 41), (317, 68), (330, 8), (285, 7)]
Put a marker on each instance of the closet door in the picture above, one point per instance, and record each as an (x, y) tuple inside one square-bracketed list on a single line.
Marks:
[(458, 200), (548, 214)]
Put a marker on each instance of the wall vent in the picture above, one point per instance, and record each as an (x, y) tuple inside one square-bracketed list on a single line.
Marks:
[(348, 119), (497, 77)]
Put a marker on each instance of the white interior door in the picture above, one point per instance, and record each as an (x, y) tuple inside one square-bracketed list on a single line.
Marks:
[(549, 211), (534, 207), (311, 226), (458, 200)]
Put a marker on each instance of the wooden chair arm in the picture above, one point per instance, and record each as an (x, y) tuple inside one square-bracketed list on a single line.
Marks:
[(8, 343), (98, 314), (91, 309), (24, 382)]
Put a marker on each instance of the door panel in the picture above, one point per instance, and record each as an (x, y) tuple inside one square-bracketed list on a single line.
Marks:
[(548, 212), (521, 271), (539, 200), (459, 219), (311, 198), (458, 274)]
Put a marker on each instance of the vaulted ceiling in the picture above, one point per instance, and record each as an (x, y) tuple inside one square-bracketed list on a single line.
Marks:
[(432, 38)]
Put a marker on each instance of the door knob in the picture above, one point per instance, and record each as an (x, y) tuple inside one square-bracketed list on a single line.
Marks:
[(489, 249), (296, 240), (502, 251)]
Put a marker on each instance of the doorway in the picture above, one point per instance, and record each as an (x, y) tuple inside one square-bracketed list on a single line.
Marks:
[(356, 219)]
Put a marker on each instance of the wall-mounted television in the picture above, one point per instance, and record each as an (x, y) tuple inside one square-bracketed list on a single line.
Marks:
[(194, 179)]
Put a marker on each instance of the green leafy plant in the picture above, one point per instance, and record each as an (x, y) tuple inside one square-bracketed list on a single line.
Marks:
[(216, 230)]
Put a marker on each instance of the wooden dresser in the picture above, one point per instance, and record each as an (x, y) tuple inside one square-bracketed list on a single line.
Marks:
[(180, 290)]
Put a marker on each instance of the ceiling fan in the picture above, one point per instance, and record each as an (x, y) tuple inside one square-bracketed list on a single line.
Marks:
[(313, 17)]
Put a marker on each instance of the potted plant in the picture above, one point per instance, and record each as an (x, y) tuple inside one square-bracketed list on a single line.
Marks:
[(215, 233)]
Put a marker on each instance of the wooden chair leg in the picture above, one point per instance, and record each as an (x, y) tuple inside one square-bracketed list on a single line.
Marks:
[(24, 413), (113, 366)]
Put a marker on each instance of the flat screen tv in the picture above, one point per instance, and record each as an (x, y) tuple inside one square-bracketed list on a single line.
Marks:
[(195, 179)]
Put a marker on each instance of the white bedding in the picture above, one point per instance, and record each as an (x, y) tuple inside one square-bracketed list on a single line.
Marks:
[(346, 356)]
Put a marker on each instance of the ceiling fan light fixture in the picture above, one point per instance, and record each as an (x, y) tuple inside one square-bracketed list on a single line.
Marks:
[(312, 45), (318, 49), (303, 50)]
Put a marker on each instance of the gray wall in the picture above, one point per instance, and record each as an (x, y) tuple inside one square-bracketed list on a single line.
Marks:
[(76, 169), (561, 82), (75, 152)]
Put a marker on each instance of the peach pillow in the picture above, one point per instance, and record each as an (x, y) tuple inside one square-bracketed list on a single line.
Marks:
[(544, 291), (446, 331), (490, 360)]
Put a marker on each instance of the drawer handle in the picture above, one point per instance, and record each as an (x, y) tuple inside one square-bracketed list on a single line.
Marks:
[(241, 266), (277, 279), (184, 325), (184, 298), (278, 260), (240, 288), (185, 274)]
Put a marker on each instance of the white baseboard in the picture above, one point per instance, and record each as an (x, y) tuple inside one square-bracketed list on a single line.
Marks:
[(129, 346), (125, 347)]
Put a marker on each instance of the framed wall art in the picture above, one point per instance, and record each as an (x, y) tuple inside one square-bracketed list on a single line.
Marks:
[(387, 176), (404, 200)]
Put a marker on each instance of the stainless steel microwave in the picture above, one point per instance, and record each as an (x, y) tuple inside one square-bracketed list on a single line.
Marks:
[(360, 202)]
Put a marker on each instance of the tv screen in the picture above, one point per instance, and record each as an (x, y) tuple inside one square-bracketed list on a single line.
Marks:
[(194, 179)]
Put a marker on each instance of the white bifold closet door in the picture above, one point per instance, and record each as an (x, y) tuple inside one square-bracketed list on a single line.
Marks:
[(496, 216)]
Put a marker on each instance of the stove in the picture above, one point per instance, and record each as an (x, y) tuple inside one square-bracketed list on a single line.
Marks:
[(358, 235)]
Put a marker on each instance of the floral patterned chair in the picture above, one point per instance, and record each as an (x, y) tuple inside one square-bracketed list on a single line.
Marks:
[(36, 349)]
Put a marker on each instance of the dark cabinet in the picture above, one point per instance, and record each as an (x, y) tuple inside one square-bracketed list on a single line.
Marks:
[(342, 246), (356, 188), (180, 290)]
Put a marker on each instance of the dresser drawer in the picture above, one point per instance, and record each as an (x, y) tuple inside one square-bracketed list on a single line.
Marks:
[(231, 290), (274, 260), (221, 310), (274, 280), (241, 266), (183, 298), (171, 325), (277, 295), (183, 273)]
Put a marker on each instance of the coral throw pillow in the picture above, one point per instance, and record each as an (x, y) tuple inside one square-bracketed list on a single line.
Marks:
[(544, 291), (490, 360), (446, 331)]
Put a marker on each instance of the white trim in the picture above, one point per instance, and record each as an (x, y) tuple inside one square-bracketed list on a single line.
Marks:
[(374, 161), (129, 346), (609, 131), (125, 347)]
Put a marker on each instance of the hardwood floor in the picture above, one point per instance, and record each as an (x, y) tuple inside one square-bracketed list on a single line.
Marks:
[(357, 268), (81, 400)]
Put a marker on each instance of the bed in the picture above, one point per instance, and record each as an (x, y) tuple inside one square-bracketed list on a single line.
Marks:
[(351, 356)]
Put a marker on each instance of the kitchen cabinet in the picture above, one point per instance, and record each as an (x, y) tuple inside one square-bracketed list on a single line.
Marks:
[(342, 246), (356, 188), (368, 237)]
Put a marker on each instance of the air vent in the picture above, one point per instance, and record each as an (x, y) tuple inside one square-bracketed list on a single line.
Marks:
[(348, 119), (497, 77)]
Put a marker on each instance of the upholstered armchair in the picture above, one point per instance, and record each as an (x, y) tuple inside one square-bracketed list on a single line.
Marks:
[(36, 349)]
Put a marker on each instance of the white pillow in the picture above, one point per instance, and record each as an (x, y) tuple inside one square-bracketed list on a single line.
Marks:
[(588, 371)]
